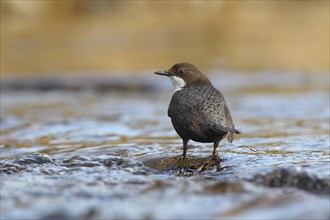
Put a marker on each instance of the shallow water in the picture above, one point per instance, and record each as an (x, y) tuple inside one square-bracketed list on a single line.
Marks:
[(92, 154)]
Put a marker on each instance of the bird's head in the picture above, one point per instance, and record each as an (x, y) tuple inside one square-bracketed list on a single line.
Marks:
[(182, 74)]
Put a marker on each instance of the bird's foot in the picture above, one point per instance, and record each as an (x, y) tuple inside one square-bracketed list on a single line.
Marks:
[(181, 162), (214, 160)]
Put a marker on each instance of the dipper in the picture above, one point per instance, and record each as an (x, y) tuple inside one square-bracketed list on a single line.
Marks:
[(198, 111)]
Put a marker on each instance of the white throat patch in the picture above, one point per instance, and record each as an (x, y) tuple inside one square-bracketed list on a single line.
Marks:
[(178, 83)]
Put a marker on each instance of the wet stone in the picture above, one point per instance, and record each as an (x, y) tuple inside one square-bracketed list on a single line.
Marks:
[(76, 158), (9, 167), (189, 166), (291, 177), (36, 159)]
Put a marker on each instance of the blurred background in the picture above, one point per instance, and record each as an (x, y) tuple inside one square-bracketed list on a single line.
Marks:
[(45, 37)]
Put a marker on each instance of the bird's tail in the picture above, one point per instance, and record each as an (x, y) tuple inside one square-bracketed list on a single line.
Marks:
[(237, 131), (230, 135)]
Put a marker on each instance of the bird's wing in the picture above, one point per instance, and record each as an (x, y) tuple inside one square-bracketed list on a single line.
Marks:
[(221, 121), (176, 105)]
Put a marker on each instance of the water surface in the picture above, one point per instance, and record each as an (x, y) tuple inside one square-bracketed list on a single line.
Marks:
[(111, 153)]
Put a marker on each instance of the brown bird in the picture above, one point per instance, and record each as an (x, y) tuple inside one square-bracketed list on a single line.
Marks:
[(198, 111)]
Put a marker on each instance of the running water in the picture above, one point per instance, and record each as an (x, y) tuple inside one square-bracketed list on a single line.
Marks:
[(86, 153)]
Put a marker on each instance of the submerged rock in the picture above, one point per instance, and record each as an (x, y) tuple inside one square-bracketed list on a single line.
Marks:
[(294, 178)]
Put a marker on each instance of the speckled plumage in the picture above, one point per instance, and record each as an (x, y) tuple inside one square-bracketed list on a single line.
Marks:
[(199, 111)]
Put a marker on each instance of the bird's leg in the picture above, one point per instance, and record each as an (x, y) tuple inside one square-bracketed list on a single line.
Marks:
[(184, 154), (215, 148), (182, 160), (215, 151), (213, 161)]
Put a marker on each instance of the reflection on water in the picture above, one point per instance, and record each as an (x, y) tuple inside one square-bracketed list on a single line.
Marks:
[(106, 151)]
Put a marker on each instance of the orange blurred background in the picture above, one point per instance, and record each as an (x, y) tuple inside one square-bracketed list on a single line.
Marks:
[(43, 37)]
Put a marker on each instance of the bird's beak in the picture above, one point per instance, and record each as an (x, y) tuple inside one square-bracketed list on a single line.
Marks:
[(162, 73)]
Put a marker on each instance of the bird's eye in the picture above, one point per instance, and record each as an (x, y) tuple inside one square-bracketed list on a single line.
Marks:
[(181, 71)]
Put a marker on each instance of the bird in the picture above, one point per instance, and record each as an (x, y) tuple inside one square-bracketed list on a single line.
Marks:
[(198, 111)]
